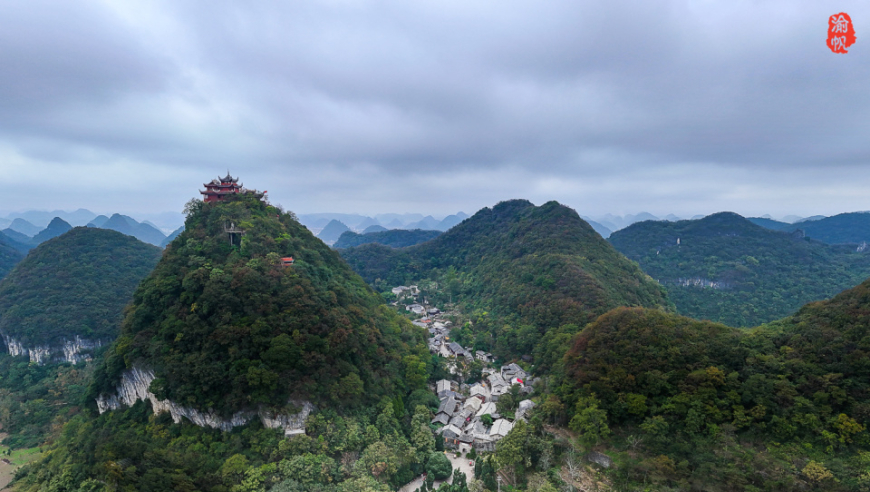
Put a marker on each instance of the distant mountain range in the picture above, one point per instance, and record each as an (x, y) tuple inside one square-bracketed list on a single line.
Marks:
[(847, 228), (32, 222), (14, 244), (129, 226), (361, 223)]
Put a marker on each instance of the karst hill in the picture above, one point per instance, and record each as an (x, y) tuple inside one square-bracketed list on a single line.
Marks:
[(725, 268), (227, 323), (533, 268), (67, 296)]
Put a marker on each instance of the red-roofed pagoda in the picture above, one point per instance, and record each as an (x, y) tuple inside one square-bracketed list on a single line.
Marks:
[(219, 188)]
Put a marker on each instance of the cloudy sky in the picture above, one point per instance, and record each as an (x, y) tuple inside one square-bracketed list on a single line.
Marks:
[(436, 106)]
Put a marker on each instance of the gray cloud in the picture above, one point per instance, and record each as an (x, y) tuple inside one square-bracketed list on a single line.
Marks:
[(349, 105)]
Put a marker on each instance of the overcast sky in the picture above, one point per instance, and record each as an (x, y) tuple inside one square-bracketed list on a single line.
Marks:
[(688, 107)]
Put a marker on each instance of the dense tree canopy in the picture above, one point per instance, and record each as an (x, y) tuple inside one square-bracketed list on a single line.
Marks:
[(693, 391), (75, 284), (227, 326), (9, 257), (395, 238), (530, 269), (725, 268)]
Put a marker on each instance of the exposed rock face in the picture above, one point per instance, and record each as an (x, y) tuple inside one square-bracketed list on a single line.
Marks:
[(70, 351), (600, 459), (134, 386), (702, 282)]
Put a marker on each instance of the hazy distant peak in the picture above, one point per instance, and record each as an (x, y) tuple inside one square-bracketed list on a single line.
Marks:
[(24, 227), (811, 219), (332, 231), (374, 228), (55, 228)]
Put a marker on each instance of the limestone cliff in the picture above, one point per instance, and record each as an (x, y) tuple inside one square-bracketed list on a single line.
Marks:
[(73, 351), (136, 381)]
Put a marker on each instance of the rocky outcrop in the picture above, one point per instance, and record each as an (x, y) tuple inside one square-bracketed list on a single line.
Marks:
[(38, 354), (72, 351), (600, 459), (134, 386), (702, 282)]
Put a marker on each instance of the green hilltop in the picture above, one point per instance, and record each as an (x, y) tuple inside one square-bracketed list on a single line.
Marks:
[(530, 269), (725, 268), (394, 238), (76, 284), (229, 327), (703, 406)]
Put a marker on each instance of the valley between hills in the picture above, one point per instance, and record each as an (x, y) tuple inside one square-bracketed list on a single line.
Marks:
[(515, 350)]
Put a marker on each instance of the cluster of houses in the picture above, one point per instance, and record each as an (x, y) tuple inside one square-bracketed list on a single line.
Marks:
[(459, 420), (460, 416), (440, 343), (402, 291)]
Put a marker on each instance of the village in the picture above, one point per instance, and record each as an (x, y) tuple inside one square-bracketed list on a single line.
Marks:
[(468, 416)]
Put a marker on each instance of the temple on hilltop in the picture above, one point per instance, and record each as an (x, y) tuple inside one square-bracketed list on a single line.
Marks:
[(219, 188)]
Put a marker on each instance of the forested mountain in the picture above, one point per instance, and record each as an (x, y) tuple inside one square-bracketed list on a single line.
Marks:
[(691, 404), (9, 257), (333, 230), (852, 228), (55, 228), (532, 275), (725, 268), (226, 329), (305, 328), (395, 238), (75, 285), (19, 241)]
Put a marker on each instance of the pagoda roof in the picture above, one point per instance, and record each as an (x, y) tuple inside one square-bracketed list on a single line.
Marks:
[(229, 179)]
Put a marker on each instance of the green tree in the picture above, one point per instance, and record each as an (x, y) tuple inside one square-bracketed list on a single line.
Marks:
[(438, 466), (511, 452), (590, 421), (421, 435)]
